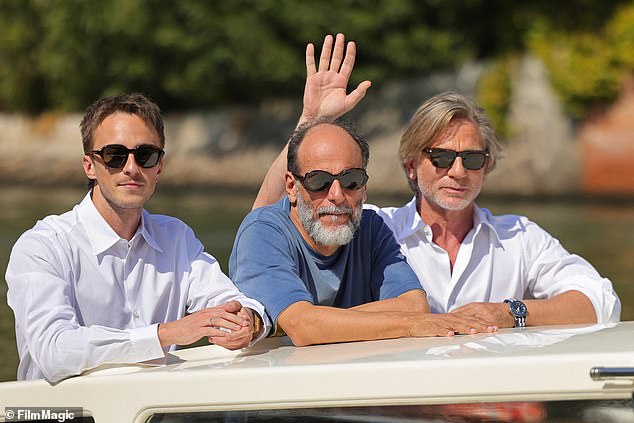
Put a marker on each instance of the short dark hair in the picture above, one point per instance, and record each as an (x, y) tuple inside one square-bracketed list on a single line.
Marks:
[(134, 103), (300, 132)]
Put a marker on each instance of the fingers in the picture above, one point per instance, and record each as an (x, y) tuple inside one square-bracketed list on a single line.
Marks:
[(232, 306), (326, 50), (221, 322), (355, 96), (234, 340), (310, 60), (449, 325), (337, 55), (348, 63)]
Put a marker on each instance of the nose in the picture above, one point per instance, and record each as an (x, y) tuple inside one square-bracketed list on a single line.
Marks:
[(335, 193), (457, 170), (130, 167)]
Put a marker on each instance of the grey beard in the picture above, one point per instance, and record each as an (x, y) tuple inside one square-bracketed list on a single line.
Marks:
[(323, 235)]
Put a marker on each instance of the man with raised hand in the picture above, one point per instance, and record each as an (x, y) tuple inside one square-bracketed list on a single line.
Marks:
[(325, 269), (504, 270)]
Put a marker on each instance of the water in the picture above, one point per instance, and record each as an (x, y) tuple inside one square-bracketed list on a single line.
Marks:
[(603, 233)]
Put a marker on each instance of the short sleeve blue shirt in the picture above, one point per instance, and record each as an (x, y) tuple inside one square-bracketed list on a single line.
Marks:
[(272, 263)]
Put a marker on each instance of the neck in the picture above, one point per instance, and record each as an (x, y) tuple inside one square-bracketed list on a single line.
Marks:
[(324, 250), (446, 225), (123, 221)]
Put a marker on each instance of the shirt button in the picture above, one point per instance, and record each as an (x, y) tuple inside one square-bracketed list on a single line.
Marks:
[(136, 314)]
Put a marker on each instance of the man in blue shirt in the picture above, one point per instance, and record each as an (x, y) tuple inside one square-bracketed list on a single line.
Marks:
[(326, 270)]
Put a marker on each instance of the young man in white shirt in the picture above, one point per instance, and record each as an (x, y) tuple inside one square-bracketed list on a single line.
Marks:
[(504, 270), (108, 282)]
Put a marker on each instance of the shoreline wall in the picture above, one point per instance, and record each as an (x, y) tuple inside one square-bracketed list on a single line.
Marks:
[(233, 148)]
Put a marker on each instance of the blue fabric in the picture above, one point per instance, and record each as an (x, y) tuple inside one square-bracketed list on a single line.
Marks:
[(272, 263)]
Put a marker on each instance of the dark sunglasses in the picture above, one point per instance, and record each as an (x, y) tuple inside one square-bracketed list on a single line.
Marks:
[(444, 159), (320, 180), (116, 155)]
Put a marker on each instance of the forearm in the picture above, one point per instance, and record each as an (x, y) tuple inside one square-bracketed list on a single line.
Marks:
[(307, 324), (567, 308), (63, 353), (412, 301), (273, 187)]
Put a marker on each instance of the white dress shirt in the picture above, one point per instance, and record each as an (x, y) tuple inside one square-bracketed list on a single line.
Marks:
[(82, 296), (501, 257)]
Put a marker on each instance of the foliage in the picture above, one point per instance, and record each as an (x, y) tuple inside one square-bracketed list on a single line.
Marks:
[(188, 54), (587, 68), (494, 91)]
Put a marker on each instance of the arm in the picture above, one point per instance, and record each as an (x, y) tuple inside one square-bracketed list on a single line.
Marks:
[(324, 95), (414, 301), (308, 324), (48, 322), (212, 294), (569, 307), (566, 288)]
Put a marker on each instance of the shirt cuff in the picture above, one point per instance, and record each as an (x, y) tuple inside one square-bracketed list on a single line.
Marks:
[(146, 344)]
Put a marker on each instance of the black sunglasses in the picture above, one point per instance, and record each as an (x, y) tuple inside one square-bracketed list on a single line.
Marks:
[(444, 159), (116, 155), (320, 180)]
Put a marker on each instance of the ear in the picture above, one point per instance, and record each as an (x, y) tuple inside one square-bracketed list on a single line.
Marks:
[(159, 168), (410, 169), (290, 187), (89, 167), (364, 194)]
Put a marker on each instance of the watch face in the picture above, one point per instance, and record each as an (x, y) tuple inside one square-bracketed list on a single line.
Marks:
[(518, 308)]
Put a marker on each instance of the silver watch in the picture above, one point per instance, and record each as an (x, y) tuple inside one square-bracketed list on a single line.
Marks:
[(518, 311)]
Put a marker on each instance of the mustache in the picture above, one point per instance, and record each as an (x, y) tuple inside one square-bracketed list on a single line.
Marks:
[(334, 210)]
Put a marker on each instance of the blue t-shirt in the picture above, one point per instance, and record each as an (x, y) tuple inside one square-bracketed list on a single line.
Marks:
[(272, 263)]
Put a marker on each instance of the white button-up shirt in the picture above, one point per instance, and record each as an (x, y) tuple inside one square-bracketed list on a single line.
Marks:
[(501, 257), (82, 296)]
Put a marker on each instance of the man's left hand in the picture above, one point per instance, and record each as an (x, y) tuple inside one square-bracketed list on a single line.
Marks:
[(237, 338), (495, 314)]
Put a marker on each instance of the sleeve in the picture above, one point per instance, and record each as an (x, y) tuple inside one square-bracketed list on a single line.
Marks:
[(263, 266), (43, 301), (552, 270), (210, 287), (391, 275)]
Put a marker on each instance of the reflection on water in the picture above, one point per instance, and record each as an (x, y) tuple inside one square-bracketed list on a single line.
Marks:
[(601, 233)]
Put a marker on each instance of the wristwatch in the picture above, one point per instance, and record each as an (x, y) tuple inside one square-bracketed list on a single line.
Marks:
[(257, 324), (518, 311)]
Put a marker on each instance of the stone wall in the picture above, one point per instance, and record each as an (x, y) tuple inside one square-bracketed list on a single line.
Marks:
[(234, 147)]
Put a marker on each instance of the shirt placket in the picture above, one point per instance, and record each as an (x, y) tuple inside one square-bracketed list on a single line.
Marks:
[(131, 283)]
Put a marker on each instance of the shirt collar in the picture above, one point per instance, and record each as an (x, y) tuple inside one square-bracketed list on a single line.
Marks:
[(414, 223), (482, 218), (100, 233)]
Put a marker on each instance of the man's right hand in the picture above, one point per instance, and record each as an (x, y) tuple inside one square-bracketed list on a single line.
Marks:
[(209, 322), (325, 91), (430, 324)]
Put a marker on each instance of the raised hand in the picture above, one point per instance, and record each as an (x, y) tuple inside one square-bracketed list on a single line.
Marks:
[(325, 92)]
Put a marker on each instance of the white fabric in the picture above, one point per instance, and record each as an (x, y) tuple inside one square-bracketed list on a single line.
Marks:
[(505, 256), (82, 296)]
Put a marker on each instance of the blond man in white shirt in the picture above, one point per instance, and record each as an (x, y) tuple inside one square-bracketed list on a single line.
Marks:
[(504, 270), (108, 282)]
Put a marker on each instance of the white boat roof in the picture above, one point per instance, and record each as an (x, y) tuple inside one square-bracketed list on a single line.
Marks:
[(534, 364)]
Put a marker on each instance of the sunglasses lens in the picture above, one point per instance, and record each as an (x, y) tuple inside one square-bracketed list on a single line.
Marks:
[(147, 156), (114, 156), (474, 160), (442, 159), (318, 180), (353, 179)]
